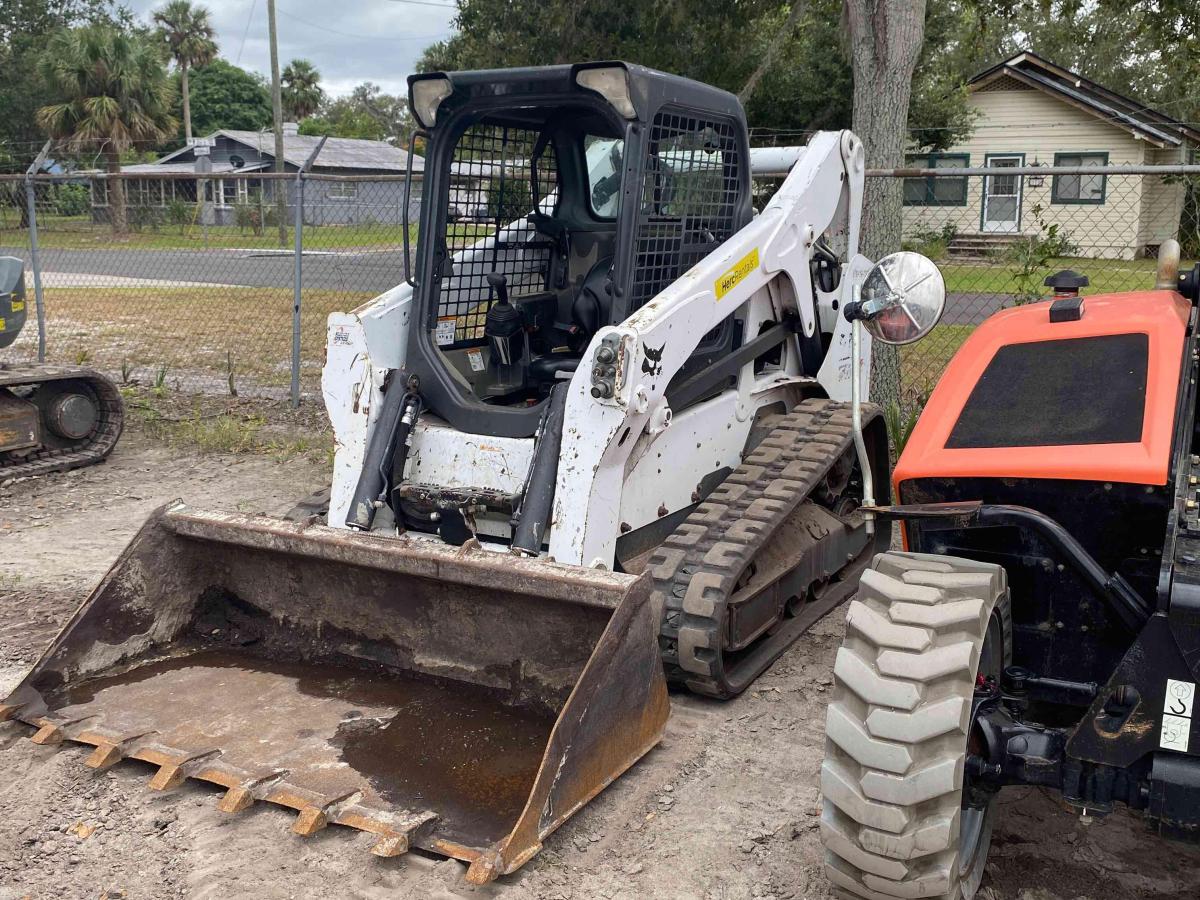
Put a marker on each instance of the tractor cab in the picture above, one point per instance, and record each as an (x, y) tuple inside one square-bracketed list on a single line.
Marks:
[(555, 201)]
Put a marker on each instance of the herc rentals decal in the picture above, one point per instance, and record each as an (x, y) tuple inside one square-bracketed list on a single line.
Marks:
[(737, 274)]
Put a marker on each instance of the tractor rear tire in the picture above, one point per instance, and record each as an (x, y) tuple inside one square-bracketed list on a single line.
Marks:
[(920, 632)]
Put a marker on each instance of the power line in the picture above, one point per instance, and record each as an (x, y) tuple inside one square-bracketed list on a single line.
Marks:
[(245, 31), (361, 37), (453, 6)]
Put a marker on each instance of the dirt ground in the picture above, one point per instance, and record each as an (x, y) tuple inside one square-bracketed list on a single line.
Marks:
[(726, 807)]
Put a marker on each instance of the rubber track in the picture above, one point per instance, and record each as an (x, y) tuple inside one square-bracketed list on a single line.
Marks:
[(897, 726), (84, 453), (697, 568)]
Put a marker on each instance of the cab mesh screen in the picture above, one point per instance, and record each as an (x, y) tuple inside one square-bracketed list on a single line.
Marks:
[(1058, 393), (690, 198), (491, 185)]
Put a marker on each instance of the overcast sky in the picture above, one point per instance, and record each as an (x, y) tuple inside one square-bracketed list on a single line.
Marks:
[(349, 41)]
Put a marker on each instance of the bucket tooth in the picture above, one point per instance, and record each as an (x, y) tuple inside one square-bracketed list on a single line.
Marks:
[(105, 756), (241, 797), (52, 733), (172, 774), (395, 834), (109, 750), (9, 710), (48, 734), (311, 820), (314, 818)]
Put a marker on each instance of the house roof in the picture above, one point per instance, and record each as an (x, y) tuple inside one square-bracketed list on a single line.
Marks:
[(186, 168), (1122, 112), (338, 153)]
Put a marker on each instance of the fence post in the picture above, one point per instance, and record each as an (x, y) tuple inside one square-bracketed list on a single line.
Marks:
[(34, 257), (297, 276), (298, 227)]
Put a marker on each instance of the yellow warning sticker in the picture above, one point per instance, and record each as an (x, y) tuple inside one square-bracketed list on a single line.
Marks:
[(1, 325), (737, 274), (18, 305)]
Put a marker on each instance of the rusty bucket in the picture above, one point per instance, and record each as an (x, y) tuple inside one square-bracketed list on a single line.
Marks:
[(459, 700)]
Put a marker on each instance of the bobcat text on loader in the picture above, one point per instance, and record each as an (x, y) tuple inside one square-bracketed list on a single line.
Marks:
[(1044, 626), (610, 441)]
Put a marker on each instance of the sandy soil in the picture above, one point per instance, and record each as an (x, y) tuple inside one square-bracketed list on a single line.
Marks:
[(725, 808)]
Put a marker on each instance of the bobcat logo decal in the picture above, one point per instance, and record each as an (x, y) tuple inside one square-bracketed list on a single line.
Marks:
[(652, 364)]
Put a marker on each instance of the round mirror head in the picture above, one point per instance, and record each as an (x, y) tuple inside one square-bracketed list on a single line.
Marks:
[(903, 297)]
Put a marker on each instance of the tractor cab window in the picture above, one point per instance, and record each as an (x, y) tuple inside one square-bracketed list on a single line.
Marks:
[(605, 162)]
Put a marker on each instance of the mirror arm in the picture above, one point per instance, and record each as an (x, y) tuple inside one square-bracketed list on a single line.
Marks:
[(860, 445)]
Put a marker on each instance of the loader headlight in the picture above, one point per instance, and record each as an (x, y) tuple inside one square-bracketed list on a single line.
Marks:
[(611, 83), (426, 95)]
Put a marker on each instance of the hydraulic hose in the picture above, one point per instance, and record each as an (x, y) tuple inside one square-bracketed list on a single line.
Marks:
[(533, 516), (390, 436)]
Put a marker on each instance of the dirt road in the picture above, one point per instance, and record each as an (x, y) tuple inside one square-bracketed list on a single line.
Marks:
[(726, 808)]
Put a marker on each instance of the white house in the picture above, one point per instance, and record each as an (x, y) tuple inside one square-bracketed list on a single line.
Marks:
[(1034, 113)]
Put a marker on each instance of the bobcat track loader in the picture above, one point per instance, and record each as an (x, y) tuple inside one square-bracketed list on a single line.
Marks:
[(609, 438)]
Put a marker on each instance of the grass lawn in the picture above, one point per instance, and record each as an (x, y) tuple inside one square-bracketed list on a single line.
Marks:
[(999, 277), (922, 363), (189, 333), (80, 233)]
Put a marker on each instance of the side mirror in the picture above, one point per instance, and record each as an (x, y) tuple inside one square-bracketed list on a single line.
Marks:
[(903, 297)]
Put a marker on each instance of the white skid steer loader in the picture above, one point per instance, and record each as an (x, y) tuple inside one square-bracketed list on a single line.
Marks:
[(602, 432)]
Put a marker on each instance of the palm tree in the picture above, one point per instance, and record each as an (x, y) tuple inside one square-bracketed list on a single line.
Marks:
[(302, 94), (113, 92), (188, 34)]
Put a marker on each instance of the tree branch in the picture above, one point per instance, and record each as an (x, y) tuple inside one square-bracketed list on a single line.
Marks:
[(773, 48)]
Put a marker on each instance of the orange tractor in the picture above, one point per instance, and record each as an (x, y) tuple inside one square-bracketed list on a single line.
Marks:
[(1042, 626)]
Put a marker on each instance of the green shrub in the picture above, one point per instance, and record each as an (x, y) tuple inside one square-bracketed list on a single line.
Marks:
[(1032, 254), (181, 214), (72, 200), (931, 242)]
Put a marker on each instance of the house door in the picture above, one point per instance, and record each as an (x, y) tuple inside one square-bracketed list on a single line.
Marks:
[(1002, 196)]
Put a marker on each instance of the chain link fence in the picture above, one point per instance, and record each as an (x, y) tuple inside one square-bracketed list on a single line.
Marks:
[(202, 284), (997, 233), (176, 281)]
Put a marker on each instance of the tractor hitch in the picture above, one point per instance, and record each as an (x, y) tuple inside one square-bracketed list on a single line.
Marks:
[(1007, 750)]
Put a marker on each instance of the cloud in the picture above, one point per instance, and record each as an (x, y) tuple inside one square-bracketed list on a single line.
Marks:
[(366, 40)]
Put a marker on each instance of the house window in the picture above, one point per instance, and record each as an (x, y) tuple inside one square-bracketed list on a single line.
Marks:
[(342, 190), (161, 192), (225, 192), (937, 191), (1079, 188)]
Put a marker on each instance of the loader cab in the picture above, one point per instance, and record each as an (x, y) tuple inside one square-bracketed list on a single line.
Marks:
[(556, 201)]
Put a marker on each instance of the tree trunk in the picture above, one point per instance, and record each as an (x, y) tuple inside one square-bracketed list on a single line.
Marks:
[(117, 213), (885, 43), (187, 101)]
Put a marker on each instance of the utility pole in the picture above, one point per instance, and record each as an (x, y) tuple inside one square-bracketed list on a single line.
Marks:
[(277, 114)]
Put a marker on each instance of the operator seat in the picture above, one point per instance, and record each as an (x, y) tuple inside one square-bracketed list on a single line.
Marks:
[(591, 310)]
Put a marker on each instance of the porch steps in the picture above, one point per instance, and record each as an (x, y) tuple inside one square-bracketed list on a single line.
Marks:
[(980, 246)]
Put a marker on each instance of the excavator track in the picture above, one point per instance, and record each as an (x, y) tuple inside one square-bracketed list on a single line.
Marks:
[(773, 549), (57, 453)]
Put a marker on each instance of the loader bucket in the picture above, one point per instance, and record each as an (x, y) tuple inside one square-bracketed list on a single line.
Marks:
[(454, 699)]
